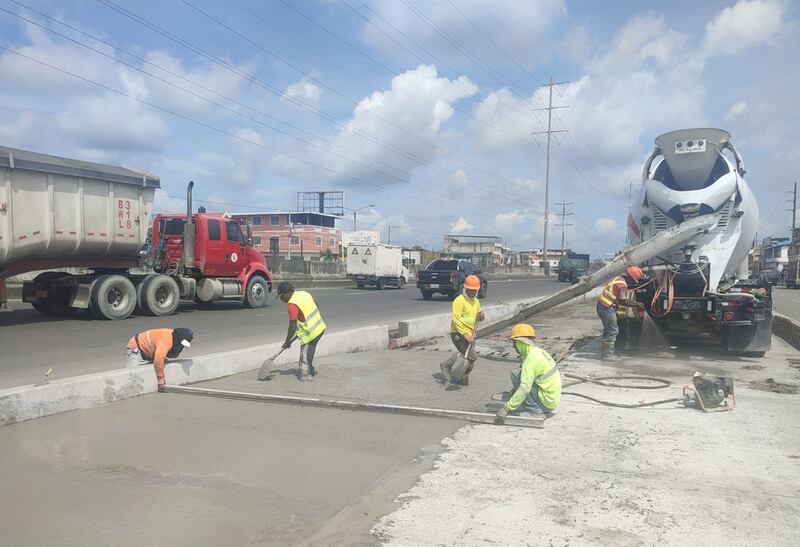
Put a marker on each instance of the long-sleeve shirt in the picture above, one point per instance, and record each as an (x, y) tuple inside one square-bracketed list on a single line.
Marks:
[(465, 314), (535, 366), (154, 345)]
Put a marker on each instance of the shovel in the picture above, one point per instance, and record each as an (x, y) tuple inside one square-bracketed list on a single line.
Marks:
[(263, 372)]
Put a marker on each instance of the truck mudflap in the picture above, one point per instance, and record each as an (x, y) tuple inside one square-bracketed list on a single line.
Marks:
[(755, 338)]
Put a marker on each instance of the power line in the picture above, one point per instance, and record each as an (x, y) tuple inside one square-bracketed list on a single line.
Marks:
[(564, 214)]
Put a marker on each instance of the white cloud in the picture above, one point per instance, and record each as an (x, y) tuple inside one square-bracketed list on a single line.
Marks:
[(512, 218), (736, 110), (605, 226), (458, 183), (460, 226), (748, 23), (164, 203), (304, 91)]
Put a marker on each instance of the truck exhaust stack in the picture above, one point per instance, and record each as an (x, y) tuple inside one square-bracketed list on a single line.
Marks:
[(188, 231)]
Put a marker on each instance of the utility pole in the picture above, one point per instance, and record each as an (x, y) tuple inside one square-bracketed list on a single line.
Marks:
[(794, 209), (389, 238), (564, 214), (549, 132)]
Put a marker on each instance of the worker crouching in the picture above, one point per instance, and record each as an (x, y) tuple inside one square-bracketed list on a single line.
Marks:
[(463, 325), (156, 346), (537, 384)]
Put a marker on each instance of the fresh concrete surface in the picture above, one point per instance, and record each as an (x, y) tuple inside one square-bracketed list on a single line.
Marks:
[(597, 475), (787, 302), (91, 390), (178, 470), (30, 343)]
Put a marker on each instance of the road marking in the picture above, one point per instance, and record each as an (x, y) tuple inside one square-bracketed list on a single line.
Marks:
[(357, 293)]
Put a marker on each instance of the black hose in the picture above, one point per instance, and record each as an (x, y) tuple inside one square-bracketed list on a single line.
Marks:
[(601, 380)]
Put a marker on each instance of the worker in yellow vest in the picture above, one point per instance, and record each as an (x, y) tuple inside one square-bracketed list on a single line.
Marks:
[(466, 315), (614, 295), (537, 384), (305, 322)]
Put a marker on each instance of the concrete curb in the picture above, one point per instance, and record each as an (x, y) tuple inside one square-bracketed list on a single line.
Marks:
[(787, 329), (91, 390)]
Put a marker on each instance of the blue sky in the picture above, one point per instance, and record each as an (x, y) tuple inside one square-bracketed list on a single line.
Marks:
[(424, 109)]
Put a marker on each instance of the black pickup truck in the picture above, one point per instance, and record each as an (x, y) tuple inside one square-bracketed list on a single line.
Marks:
[(447, 277)]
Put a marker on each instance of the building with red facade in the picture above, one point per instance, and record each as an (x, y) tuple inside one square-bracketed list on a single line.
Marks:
[(310, 235)]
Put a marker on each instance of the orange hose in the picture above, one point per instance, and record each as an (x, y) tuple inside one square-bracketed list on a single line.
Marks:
[(670, 295)]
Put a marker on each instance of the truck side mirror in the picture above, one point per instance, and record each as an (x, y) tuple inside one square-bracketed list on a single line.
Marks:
[(249, 242)]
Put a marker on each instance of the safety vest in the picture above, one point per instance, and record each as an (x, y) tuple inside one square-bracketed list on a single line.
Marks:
[(313, 325), (607, 297)]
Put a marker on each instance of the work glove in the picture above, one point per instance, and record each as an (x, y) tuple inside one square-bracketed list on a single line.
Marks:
[(481, 316), (287, 345), (500, 418), (162, 388)]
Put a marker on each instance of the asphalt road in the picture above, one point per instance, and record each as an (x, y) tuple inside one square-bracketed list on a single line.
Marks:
[(30, 342), (787, 302)]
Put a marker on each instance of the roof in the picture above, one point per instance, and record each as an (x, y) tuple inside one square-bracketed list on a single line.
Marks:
[(266, 213), (15, 158)]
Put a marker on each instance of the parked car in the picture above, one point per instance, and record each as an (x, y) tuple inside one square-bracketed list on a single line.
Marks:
[(769, 276), (447, 277)]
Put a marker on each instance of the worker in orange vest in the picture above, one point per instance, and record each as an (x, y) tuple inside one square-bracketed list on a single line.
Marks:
[(614, 295), (155, 346)]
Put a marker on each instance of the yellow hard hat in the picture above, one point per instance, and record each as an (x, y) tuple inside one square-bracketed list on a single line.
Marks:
[(522, 330), (472, 283)]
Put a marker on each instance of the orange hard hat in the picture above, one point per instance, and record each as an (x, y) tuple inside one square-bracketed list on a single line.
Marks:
[(522, 330), (635, 272), (472, 283)]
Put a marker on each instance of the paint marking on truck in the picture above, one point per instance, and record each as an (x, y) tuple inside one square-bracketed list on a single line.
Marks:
[(24, 236)]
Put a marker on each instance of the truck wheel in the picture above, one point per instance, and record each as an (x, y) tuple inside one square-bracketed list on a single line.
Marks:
[(427, 295), (113, 297), (57, 303), (380, 284), (401, 282), (482, 291), (159, 295), (257, 291)]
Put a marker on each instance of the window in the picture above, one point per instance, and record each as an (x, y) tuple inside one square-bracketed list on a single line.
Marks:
[(213, 230), (257, 220), (232, 231), (295, 240), (256, 241), (332, 242), (172, 226), (317, 229), (318, 241), (274, 220)]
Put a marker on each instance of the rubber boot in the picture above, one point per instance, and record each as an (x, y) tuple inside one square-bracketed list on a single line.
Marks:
[(608, 352), (445, 367), (465, 377)]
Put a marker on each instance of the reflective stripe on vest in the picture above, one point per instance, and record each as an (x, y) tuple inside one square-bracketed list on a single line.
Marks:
[(313, 325), (607, 297), (547, 374)]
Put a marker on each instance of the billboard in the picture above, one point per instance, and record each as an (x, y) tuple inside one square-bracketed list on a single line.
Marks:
[(361, 237), (330, 202)]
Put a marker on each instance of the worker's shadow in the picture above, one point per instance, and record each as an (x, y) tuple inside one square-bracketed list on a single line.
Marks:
[(279, 372), (440, 379)]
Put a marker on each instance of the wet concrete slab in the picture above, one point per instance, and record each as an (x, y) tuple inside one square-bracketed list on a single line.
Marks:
[(175, 470)]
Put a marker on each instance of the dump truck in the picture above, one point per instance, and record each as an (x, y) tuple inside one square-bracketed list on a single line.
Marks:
[(572, 266), (58, 213), (377, 265)]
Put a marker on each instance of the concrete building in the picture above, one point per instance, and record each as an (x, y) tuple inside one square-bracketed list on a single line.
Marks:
[(282, 233), (774, 253), (535, 258), (480, 250)]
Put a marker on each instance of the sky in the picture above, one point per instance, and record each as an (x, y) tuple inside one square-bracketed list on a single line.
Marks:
[(428, 111)]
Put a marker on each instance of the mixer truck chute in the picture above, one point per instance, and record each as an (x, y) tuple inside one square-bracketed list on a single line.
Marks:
[(58, 213)]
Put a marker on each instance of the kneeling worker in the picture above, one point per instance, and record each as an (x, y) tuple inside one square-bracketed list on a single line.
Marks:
[(154, 346), (466, 315), (537, 383), (305, 322)]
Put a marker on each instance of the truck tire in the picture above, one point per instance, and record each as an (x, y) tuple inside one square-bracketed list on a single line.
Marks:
[(401, 282), (380, 284), (427, 295), (159, 295), (113, 297), (482, 291), (256, 293)]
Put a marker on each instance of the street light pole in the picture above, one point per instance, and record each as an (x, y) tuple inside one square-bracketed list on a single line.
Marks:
[(355, 218)]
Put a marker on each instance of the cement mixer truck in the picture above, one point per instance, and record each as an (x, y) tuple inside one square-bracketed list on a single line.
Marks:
[(700, 284), (692, 228), (58, 214)]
